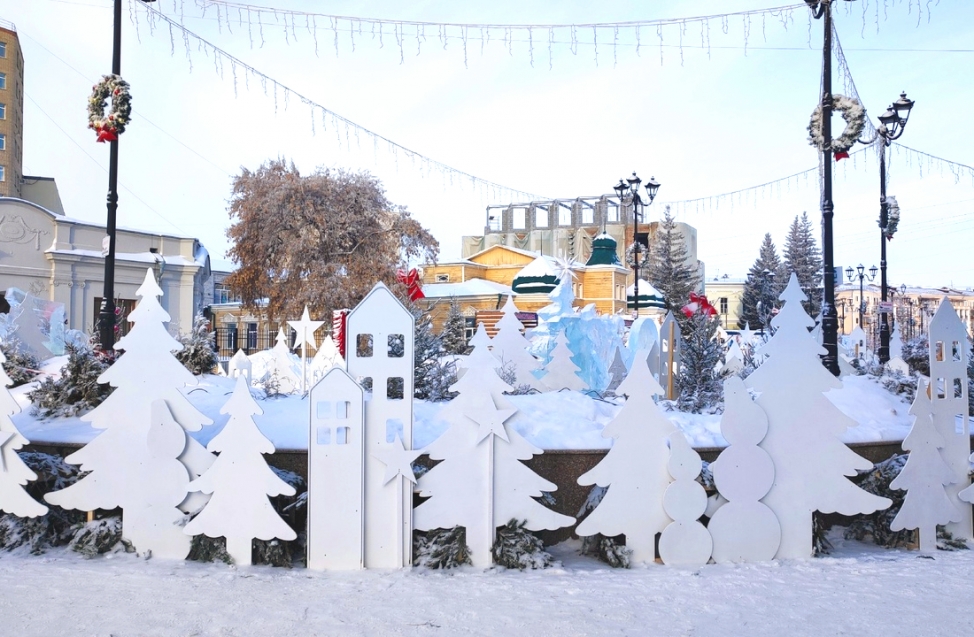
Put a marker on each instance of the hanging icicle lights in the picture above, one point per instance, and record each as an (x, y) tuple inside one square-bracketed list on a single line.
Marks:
[(597, 37)]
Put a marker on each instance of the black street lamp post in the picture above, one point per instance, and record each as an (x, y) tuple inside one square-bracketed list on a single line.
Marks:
[(106, 313), (892, 124), (632, 189), (861, 275), (823, 9)]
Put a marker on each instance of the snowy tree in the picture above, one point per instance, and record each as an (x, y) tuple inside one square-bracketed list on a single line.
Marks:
[(199, 352), (669, 269), (511, 347), (700, 384), (145, 373), (761, 288), (803, 257), (240, 482), (482, 482), (561, 372), (924, 477), (455, 329), (635, 469), (803, 440), (432, 374), (14, 474)]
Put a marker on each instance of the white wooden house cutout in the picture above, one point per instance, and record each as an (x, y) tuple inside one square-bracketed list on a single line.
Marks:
[(240, 364), (379, 351), (336, 453)]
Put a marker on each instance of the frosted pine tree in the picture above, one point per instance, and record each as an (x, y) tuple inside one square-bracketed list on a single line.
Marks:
[(14, 474), (481, 483), (804, 428), (635, 469), (240, 482), (561, 372), (455, 330), (924, 477), (145, 372), (511, 347)]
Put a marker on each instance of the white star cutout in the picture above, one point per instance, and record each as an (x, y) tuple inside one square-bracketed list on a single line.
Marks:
[(491, 421), (398, 460)]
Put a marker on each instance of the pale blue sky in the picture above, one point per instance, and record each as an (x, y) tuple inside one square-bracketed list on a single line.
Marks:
[(708, 123)]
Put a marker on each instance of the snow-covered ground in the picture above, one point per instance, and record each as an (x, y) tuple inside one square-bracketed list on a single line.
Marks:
[(560, 420), (860, 590)]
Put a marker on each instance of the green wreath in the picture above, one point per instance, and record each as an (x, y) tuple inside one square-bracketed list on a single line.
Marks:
[(855, 121), (110, 126)]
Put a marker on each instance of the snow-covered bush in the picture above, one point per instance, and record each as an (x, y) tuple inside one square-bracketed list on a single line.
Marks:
[(916, 354), (21, 366), (77, 390), (58, 526), (199, 348), (896, 382), (508, 373), (516, 547), (607, 549), (100, 536), (441, 548)]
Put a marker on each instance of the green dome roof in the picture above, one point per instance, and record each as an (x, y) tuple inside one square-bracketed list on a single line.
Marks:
[(537, 277), (604, 251)]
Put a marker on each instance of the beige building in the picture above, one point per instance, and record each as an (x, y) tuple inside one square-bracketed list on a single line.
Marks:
[(11, 111), (726, 293), (59, 259)]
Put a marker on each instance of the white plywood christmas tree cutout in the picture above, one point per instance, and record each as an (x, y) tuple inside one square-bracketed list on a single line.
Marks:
[(895, 343), (305, 329), (635, 469), (511, 347), (924, 477), (283, 365), (240, 365), (744, 529), (811, 463), (482, 482), (561, 372), (156, 524), (733, 358), (325, 358), (949, 350), (14, 474), (116, 459), (669, 356), (240, 483), (857, 343), (336, 474), (685, 541), (381, 334)]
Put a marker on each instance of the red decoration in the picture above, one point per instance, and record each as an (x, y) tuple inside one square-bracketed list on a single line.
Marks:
[(339, 329), (411, 281), (107, 135), (841, 155), (698, 303)]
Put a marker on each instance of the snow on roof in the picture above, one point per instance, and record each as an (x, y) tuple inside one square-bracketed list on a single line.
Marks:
[(471, 287), (527, 253), (645, 289), (138, 257), (542, 266)]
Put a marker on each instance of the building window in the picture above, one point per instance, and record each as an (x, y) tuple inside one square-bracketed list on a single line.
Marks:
[(3, 173), (3, 49), (3, 142), (723, 304), (3, 81), (3, 111), (442, 278)]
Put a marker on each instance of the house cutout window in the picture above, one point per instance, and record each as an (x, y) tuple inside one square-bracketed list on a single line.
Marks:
[(941, 388), (363, 345), (341, 435), (958, 389), (395, 388), (393, 429), (955, 351), (323, 435), (323, 409), (366, 383), (341, 410), (939, 349), (397, 346)]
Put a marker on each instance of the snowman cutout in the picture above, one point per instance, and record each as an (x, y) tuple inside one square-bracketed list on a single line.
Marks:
[(685, 541)]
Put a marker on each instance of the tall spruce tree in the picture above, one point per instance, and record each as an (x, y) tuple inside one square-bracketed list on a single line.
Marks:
[(701, 387), (758, 288), (669, 268), (454, 330), (804, 258)]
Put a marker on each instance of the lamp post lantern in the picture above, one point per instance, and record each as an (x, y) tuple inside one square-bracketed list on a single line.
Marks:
[(891, 126), (632, 189), (861, 275)]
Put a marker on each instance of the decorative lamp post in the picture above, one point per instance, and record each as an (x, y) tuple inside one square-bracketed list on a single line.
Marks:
[(861, 275), (892, 124), (106, 313), (632, 189)]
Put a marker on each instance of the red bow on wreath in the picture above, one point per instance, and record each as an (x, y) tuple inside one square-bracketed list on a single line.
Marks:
[(842, 154), (698, 303), (411, 281), (107, 135)]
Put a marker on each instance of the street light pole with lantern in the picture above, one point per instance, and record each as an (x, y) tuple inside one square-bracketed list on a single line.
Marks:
[(892, 124), (632, 189), (861, 275)]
